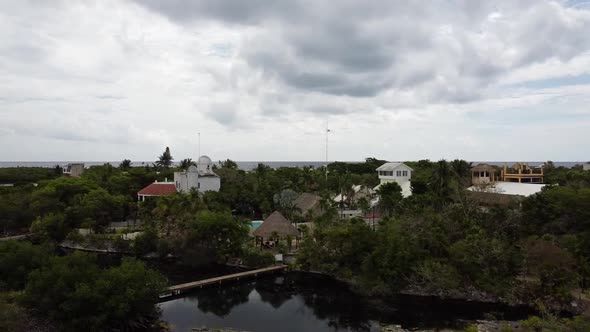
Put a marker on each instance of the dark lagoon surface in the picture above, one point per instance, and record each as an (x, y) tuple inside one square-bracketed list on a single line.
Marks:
[(308, 302)]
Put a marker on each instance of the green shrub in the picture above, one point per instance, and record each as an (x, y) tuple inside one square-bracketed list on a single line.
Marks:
[(120, 244), (471, 328), (254, 257), (12, 316), (146, 242), (75, 237), (17, 260), (164, 247)]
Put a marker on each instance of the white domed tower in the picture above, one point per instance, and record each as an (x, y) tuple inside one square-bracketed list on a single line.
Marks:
[(208, 180), (204, 165)]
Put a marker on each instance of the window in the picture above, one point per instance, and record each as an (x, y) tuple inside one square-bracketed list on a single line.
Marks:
[(398, 173), (404, 173)]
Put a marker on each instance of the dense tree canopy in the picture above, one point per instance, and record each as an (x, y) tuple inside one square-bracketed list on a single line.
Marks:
[(75, 292), (436, 241), (17, 260)]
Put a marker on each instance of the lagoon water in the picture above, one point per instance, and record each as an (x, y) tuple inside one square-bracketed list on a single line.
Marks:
[(304, 302)]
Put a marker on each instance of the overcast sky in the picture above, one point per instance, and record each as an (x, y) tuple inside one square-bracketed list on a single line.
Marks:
[(259, 79)]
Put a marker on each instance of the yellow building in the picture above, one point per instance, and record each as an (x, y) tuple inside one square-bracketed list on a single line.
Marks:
[(522, 173)]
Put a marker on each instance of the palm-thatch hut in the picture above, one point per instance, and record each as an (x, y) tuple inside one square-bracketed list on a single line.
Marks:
[(307, 205), (274, 228)]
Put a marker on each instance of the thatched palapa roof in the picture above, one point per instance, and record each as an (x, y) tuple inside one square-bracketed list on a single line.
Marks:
[(306, 202), (276, 222), (484, 167)]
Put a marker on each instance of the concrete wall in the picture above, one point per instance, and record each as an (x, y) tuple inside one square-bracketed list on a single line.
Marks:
[(185, 181), (74, 170), (180, 181), (209, 183)]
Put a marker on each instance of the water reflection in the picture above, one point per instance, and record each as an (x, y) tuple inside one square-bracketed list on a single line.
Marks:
[(221, 300), (303, 302), (274, 293), (271, 304)]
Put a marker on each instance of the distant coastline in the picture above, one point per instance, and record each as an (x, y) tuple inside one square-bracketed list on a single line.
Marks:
[(250, 165)]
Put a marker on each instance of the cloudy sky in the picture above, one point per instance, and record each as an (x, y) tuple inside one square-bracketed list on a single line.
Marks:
[(259, 79)]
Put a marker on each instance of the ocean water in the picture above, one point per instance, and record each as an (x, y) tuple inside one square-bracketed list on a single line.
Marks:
[(244, 165), (250, 165)]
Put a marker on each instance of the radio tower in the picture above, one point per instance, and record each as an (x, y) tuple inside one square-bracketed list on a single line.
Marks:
[(327, 132)]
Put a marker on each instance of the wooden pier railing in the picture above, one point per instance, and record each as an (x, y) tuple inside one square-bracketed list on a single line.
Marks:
[(179, 289)]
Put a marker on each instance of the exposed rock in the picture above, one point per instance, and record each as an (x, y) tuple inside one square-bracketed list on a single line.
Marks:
[(206, 329), (482, 326)]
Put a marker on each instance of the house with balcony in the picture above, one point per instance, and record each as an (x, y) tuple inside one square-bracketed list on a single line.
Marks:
[(522, 173), (509, 187), (396, 172)]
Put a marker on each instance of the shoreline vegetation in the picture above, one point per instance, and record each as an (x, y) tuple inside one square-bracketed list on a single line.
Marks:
[(437, 242)]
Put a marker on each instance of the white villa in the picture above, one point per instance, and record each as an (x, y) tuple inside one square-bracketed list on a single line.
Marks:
[(396, 172), (200, 177)]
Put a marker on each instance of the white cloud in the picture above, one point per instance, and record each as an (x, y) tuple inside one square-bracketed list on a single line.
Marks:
[(119, 79)]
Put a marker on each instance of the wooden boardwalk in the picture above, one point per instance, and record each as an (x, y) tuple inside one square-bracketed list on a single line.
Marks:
[(179, 289), (16, 237)]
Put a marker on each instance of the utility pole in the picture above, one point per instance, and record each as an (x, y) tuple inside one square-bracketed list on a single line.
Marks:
[(327, 132)]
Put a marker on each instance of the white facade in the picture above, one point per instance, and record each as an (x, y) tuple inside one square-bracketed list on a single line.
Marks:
[(349, 214), (586, 167), (185, 181), (201, 177), (510, 188), (395, 172), (209, 183)]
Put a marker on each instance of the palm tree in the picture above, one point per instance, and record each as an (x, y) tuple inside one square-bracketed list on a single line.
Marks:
[(186, 163), (174, 211), (329, 211), (125, 164), (165, 160), (440, 181), (461, 170), (364, 205), (390, 194)]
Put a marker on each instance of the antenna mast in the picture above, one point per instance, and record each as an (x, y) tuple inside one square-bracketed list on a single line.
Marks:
[(327, 132), (199, 145)]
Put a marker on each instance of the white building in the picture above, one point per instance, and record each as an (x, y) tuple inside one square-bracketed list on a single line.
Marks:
[(396, 172), (586, 166), (200, 177), (509, 188), (187, 180), (73, 170)]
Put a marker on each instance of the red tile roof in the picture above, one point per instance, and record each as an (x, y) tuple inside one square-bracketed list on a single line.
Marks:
[(158, 189)]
